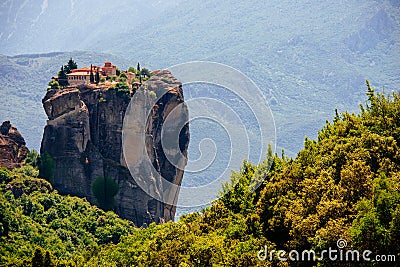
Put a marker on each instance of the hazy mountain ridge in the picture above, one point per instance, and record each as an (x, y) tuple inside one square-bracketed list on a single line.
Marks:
[(69, 24), (308, 58)]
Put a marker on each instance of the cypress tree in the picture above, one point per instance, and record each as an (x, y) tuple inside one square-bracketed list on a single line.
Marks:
[(91, 74), (97, 77)]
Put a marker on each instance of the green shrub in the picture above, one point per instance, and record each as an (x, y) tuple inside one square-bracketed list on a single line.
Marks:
[(53, 85), (104, 189), (32, 158), (46, 167), (5, 176)]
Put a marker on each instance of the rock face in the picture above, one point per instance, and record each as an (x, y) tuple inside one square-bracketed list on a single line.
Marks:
[(12, 146), (84, 137)]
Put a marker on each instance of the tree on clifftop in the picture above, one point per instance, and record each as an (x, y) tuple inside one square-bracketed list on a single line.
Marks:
[(91, 74), (145, 72), (97, 77), (71, 65), (62, 77), (53, 85)]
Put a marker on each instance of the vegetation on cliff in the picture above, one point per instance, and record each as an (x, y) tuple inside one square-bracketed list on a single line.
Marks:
[(343, 185)]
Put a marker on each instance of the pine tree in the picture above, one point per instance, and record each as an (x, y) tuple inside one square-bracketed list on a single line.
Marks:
[(71, 65)]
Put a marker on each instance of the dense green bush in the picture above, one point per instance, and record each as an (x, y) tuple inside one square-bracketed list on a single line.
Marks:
[(104, 189), (46, 167)]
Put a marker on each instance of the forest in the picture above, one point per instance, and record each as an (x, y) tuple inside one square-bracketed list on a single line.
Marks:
[(343, 185)]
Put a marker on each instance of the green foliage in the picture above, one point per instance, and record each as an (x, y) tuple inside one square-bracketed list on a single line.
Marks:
[(5, 176), (122, 75), (122, 88), (145, 72), (46, 167), (91, 74), (62, 77), (104, 189), (132, 69), (38, 258), (71, 65), (54, 85), (28, 170), (32, 158), (38, 227), (42, 259), (102, 79)]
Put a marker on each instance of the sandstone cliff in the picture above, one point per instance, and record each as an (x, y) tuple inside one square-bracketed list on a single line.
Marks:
[(12, 147), (84, 137)]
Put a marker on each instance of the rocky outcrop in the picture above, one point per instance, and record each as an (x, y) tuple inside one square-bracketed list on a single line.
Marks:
[(12, 147), (84, 137)]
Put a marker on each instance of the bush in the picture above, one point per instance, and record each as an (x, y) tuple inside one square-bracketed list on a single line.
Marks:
[(123, 75), (46, 167), (28, 170), (104, 189), (122, 89), (5, 176), (32, 158), (53, 85)]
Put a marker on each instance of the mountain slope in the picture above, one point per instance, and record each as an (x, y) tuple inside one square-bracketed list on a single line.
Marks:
[(309, 57), (30, 26)]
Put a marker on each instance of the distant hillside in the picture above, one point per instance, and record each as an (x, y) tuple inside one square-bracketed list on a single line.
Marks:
[(309, 57), (23, 83), (30, 26)]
